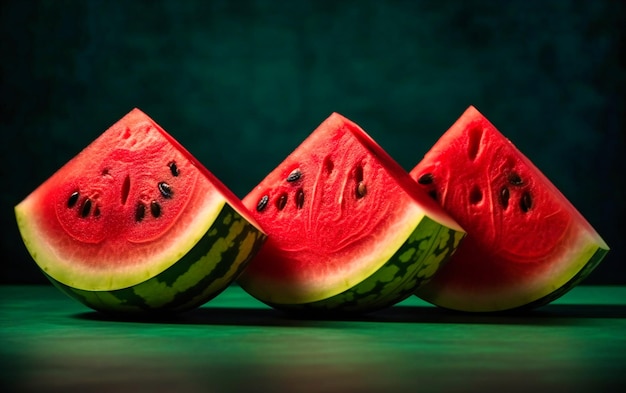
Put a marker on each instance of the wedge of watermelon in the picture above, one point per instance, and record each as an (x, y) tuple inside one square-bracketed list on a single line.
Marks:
[(526, 243), (348, 229), (134, 223)]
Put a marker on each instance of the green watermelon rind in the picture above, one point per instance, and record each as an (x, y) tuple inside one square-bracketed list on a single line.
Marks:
[(207, 269), (55, 261), (532, 302), (427, 248), (582, 274)]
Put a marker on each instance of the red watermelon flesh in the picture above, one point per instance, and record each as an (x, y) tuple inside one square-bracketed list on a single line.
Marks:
[(526, 243), (125, 209), (335, 210)]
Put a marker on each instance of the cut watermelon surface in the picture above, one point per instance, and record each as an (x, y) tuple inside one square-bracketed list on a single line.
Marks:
[(134, 222), (526, 243), (348, 229)]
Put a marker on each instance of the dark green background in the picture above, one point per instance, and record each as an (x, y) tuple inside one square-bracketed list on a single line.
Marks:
[(241, 83)]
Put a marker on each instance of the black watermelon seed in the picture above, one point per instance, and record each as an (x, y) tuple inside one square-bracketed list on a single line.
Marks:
[(294, 175), (433, 194), (300, 198), (174, 168), (96, 211), (71, 202), (504, 197), (85, 208), (262, 203), (140, 212), (155, 209), (281, 202), (165, 190), (361, 190), (526, 202), (515, 179), (426, 178)]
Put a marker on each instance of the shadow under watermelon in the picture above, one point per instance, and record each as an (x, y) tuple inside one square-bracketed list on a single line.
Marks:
[(557, 314)]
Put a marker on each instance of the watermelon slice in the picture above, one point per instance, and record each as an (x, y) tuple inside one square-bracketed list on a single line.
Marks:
[(135, 223), (526, 243), (348, 229)]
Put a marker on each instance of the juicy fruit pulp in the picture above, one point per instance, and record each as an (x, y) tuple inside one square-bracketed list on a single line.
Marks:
[(127, 209), (526, 243), (348, 228)]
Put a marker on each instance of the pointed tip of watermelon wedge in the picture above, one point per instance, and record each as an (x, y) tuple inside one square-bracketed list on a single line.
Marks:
[(137, 114), (395, 170)]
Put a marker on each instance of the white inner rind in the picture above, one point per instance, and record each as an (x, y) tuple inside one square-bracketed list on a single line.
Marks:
[(361, 266), (55, 262), (529, 289)]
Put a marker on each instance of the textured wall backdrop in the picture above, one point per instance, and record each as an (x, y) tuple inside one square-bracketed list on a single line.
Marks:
[(241, 83)]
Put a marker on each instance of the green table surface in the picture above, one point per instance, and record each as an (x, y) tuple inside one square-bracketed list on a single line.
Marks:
[(50, 343)]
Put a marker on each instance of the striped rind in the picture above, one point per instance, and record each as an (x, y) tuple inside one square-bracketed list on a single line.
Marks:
[(561, 275), (213, 263), (427, 248), (594, 261)]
